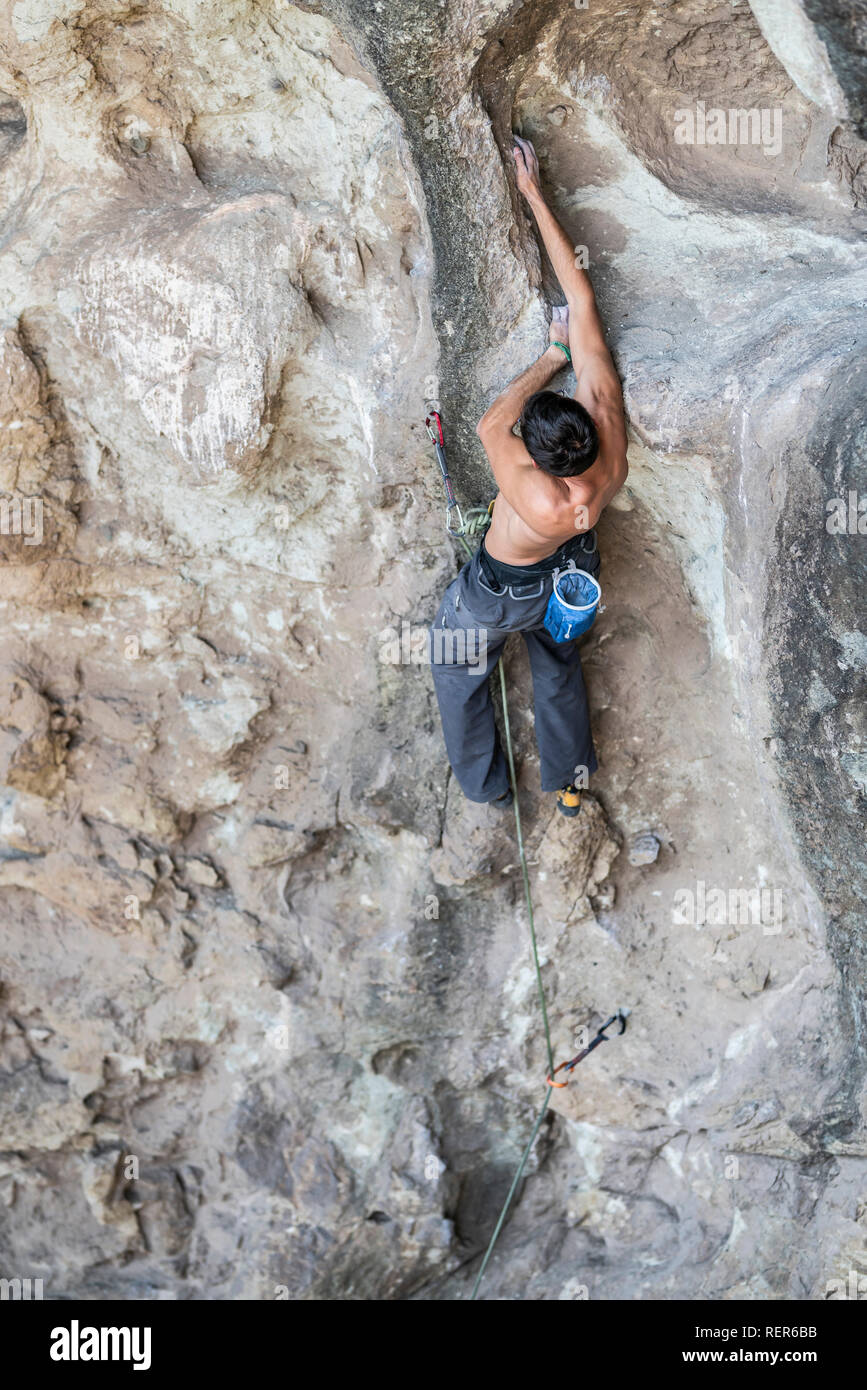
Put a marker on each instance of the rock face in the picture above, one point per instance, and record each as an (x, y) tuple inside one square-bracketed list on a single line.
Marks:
[(268, 1014)]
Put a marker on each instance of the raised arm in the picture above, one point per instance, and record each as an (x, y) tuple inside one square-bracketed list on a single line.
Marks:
[(535, 496), (597, 385), (595, 374)]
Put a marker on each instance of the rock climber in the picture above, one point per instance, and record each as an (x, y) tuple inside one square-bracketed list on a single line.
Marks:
[(554, 480)]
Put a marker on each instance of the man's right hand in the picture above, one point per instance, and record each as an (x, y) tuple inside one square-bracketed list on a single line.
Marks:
[(527, 168)]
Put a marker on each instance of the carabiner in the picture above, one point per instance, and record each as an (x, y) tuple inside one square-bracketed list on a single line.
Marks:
[(438, 437), (620, 1017), (453, 507), (437, 440)]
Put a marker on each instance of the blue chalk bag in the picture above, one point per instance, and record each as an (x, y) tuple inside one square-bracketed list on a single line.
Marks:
[(573, 604)]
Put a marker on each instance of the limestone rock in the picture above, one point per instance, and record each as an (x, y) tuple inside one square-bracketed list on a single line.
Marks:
[(643, 848), (253, 937)]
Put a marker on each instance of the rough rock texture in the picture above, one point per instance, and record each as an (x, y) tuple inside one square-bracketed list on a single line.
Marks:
[(268, 1014)]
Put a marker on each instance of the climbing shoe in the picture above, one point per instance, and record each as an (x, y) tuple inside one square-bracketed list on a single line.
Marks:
[(501, 803), (569, 800)]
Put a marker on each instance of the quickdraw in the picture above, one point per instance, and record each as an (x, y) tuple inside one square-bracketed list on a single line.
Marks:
[(620, 1017), (434, 427)]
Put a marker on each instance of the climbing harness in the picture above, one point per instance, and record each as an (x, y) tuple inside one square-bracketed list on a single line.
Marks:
[(573, 603), (477, 522)]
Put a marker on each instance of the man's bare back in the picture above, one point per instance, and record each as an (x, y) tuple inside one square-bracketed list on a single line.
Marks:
[(515, 541), (536, 511)]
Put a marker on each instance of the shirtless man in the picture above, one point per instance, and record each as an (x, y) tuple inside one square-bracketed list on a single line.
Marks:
[(554, 480)]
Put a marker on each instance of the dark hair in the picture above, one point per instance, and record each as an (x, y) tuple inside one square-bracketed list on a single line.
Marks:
[(559, 434)]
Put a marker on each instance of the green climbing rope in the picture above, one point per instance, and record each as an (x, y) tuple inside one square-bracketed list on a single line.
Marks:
[(508, 1202), (476, 523), (486, 516), (520, 837), (539, 986)]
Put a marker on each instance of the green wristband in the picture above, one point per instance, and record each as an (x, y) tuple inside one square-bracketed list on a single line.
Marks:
[(563, 348)]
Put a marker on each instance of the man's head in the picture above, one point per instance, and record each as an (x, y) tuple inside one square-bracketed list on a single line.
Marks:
[(559, 434)]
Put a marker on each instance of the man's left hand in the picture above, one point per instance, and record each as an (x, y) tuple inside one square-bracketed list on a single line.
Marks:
[(559, 329)]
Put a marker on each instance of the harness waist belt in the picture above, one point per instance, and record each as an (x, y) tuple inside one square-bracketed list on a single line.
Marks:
[(505, 575)]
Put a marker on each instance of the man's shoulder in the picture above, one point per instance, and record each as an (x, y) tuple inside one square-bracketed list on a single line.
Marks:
[(590, 492), (610, 420), (590, 484)]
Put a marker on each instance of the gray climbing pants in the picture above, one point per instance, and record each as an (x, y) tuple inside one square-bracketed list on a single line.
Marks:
[(486, 602)]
